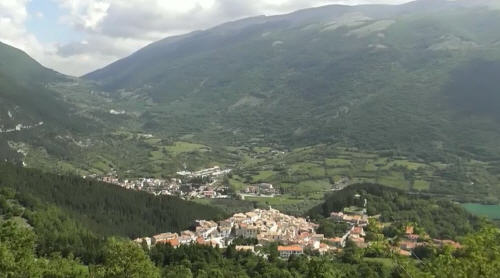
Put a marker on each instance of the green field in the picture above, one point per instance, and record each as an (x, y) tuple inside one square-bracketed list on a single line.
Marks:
[(489, 211)]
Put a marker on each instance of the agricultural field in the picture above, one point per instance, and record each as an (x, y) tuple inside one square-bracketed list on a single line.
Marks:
[(489, 211), (312, 172)]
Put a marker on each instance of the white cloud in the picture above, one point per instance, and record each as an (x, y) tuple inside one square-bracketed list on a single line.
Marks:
[(13, 16), (115, 28)]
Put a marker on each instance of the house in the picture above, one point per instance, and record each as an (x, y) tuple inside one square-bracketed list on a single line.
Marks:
[(201, 241), (338, 242), (143, 240), (251, 189), (318, 237), (446, 242), (266, 189), (224, 231), (337, 216), (409, 230), (245, 248), (407, 245), (163, 238), (173, 242), (359, 242), (357, 232), (412, 237), (323, 248), (287, 251), (247, 231), (401, 252), (252, 216), (185, 239)]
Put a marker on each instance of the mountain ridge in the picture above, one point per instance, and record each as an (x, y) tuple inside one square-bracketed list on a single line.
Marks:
[(292, 77)]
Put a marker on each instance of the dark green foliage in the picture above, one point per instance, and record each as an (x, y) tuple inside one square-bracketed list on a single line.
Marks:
[(475, 88), (104, 208), (58, 233), (331, 228), (439, 218), (18, 259), (200, 261), (124, 259)]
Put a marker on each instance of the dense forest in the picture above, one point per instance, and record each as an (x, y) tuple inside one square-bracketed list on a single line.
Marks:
[(439, 218), (104, 208)]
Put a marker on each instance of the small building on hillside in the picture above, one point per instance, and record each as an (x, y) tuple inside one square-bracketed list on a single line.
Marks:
[(245, 248), (287, 251)]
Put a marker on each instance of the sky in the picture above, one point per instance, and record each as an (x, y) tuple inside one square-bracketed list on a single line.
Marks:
[(75, 37)]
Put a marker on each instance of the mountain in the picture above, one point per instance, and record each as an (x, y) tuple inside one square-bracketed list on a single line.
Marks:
[(418, 78), (30, 111)]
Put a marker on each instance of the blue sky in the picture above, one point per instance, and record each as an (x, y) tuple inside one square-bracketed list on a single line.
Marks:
[(45, 23)]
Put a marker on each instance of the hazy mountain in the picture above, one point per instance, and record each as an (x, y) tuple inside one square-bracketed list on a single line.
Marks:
[(417, 77), (30, 111)]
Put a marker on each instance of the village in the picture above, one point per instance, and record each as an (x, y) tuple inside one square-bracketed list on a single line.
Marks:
[(202, 184), (206, 183), (295, 235)]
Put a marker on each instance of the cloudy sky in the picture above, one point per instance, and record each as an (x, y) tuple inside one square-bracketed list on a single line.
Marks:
[(78, 36)]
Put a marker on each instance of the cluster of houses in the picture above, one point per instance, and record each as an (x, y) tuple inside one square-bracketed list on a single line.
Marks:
[(19, 127), (295, 234), (261, 189), (150, 185), (357, 219), (410, 241), (180, 187), (215, 171)]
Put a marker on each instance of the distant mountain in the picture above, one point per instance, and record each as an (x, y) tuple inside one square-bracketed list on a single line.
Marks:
[(419, 78), (30, 111)]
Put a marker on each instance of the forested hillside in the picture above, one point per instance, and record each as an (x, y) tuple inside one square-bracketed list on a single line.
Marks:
[(439, 218), (103, 208)]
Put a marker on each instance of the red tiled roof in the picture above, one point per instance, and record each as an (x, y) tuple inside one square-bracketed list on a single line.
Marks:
[(295, 248), (357, 230), (404, 252), (201, 241), (173, 242)]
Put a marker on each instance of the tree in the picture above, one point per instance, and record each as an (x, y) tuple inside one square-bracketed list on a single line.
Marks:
[(17, 249), (178, 271), (59, 267), (479, 258), (125, 259)]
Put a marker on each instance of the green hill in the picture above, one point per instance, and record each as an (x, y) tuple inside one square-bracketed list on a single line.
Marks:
[(103, 208), (30, 111), (416, 78)]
